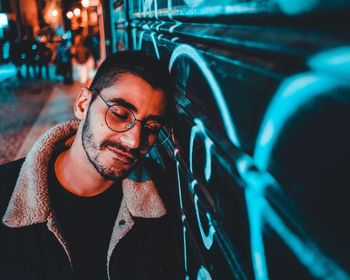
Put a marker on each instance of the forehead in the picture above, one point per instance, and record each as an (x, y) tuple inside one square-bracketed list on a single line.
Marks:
[(136, 91)]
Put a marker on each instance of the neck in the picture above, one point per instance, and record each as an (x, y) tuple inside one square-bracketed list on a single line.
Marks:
[(71, 170)]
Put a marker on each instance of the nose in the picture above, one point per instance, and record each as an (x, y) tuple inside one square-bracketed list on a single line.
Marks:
[(132, 137)]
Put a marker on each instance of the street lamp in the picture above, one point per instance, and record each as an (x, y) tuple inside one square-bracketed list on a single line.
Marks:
[(54, 13), (85, 3), (69, 14), (77, 12)]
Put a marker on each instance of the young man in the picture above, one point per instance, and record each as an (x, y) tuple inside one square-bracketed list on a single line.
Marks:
[(86, 203)]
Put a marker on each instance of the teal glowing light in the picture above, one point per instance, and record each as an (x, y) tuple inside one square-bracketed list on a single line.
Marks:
[(155, 45), (335, 63), (156, 9), (146, 6), (172, 28), (208, 239), (255, 205), (174, 39), (203, 274), (257, 180), (3, 20), (292, 95), (199, 128), (170, 6), (319, 265), (192, 185), (193, 3), (178, 183), (184, 238), (297, 6), (186, 50), (260, 212), (267, 134), (330, 69), (7, 71), (139, 45)]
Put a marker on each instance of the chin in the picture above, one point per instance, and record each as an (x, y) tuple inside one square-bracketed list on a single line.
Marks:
[(111, 168), (112, 174), (118, 170)]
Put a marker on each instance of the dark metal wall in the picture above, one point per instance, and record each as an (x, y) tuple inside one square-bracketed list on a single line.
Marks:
[(260, 153)]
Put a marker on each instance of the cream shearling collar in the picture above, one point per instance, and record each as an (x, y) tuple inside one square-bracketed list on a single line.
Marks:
[(30, 205)]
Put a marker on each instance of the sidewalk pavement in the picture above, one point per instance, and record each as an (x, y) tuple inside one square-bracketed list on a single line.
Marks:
[(27, 109)]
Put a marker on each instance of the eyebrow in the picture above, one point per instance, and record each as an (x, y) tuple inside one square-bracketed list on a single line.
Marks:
[(131, 107), (124, 102)]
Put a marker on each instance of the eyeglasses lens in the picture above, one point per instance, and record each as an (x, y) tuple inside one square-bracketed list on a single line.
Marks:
[(121, 119)]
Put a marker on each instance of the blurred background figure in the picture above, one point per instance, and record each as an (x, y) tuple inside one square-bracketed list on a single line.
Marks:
[(29, 50), (15, 56), (44, 54), (64, 61), (93, 44), (83, 62)]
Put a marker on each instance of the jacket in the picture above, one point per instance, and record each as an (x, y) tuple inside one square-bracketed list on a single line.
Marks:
[(32, 245)]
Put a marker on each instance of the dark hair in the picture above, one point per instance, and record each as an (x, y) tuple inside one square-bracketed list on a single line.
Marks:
[(140, 64)]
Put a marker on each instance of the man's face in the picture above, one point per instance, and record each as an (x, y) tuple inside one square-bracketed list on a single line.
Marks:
[(114, 154)]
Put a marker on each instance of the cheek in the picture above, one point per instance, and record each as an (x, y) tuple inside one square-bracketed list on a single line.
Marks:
[(97, 123), (98, 131)]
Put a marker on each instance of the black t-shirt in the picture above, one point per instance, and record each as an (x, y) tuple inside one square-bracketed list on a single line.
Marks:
[(87, 224)]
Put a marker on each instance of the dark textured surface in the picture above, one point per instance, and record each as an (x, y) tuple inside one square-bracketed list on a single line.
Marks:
[(270, 201)]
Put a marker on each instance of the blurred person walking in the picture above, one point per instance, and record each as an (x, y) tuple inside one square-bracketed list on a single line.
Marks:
[(15, 56), (64, 62), (82, 60), (93, 44), (44, 60), (29, 47)]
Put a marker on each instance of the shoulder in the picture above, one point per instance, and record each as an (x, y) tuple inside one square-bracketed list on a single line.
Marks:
[(8, 177)]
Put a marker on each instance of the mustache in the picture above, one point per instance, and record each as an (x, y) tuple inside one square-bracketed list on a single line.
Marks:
[(135, 153)]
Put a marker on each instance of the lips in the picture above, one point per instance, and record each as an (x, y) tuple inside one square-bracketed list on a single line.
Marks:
[(121, 156)]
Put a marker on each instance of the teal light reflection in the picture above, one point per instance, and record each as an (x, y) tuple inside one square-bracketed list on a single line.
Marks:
[(199, 128), (330, 69), (155, 45), (203, 274), (335, 63), (189, 51), (208, 239), (319, 265), (292, 94), (255, 205)]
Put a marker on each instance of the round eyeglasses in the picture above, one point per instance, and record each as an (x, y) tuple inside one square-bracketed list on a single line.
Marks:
[(119, 118)]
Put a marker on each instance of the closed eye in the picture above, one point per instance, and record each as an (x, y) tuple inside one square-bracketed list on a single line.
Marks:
[(121, 113), (122, 116)]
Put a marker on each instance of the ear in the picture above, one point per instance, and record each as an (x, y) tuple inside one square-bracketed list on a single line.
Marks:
[(82, 103)]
